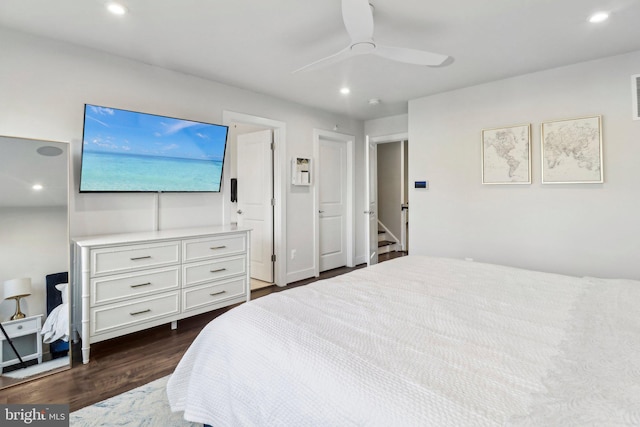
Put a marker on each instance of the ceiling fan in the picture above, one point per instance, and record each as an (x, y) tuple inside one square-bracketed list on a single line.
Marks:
[(358, 19)]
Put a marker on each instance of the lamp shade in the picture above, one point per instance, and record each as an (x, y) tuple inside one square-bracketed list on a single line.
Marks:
[(17, 288)]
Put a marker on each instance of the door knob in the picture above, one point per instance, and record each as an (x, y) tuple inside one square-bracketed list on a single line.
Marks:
[(239, 211)]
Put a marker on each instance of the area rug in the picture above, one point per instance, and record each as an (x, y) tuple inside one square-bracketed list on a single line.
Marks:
[(38, 368), (143, 406)]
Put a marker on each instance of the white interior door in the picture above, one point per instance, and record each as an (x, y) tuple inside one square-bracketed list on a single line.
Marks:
[(255, 192), (371, 201), (332, 203)]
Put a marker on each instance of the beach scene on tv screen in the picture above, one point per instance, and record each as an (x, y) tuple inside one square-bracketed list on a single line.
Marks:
[(129, 151)]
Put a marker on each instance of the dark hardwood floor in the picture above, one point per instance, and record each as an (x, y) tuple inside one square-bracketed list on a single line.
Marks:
[(124, 363)]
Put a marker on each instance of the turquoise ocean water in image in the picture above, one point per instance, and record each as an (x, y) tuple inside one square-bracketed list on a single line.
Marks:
[(125, 172)]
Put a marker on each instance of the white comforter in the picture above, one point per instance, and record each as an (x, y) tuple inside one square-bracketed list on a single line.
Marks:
[(56, 327), (421, 341)]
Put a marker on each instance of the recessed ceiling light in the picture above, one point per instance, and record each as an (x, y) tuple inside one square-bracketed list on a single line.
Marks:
[(598, 17), (345, 91), (116, 8), (374, 101), (37, 187)]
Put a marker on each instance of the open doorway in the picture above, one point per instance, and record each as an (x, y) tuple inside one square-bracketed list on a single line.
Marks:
[(391, 183), (254, 196), (256, 151)]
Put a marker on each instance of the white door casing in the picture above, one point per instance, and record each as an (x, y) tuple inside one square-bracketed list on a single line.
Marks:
[(255, 194), (333, 201), (281, 182), (371, 201), (404, 245)]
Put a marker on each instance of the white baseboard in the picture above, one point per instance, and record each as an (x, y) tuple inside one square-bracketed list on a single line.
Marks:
[(362, 259)]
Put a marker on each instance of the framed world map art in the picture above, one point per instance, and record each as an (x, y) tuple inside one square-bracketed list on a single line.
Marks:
[(572, 151), (506, 155)]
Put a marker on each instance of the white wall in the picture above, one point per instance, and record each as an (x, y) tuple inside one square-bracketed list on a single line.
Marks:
[(387, 125), (578, 229), (32, 244), (44, 85)]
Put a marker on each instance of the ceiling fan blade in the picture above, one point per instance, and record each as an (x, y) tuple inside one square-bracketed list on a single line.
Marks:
[(410, 56), (358, 19), (332, 59)]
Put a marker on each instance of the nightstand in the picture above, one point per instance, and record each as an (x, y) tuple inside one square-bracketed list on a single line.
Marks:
[(25, 334)]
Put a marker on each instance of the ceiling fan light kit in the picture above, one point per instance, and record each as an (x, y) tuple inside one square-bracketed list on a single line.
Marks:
[(363, 47), (358, 20)]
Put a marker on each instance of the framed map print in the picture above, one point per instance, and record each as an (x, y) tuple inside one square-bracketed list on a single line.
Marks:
[(506, 155), (572, 151)]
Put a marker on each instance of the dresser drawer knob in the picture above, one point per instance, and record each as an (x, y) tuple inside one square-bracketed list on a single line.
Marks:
[(217, 247), (140, 257), (218, 270), (140, 312), (217, 293), (141, 284), (19, 326)]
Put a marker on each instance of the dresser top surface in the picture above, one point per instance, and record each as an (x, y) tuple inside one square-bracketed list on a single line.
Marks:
[(148, 236)]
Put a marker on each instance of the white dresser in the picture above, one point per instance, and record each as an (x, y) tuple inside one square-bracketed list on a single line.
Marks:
[(128, 282)]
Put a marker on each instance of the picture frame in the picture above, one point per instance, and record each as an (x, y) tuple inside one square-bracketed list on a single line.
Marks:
[(506, 155), (571, 151)]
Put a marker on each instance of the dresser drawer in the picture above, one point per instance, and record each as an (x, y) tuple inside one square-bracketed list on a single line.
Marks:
[(213, 247), (206, 271), (134, 257), (112, 317), (211, 293), (120, 287), (16, 328)]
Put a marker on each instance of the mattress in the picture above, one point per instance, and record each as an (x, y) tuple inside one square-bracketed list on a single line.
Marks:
[(421, 341)]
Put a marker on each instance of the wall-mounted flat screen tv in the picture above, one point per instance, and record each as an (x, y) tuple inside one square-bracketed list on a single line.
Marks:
[(127, 151)]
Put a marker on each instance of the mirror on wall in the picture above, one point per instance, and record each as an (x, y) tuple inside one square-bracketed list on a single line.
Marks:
[(34, 259)]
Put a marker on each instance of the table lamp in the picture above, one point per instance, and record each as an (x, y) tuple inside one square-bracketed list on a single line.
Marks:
[(16, 289)]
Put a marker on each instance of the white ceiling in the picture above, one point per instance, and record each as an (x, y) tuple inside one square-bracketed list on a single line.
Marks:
[(21, 166), (257, 44)]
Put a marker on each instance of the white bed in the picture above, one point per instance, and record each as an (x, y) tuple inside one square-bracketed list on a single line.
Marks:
[(421, 341), (56, 327)]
